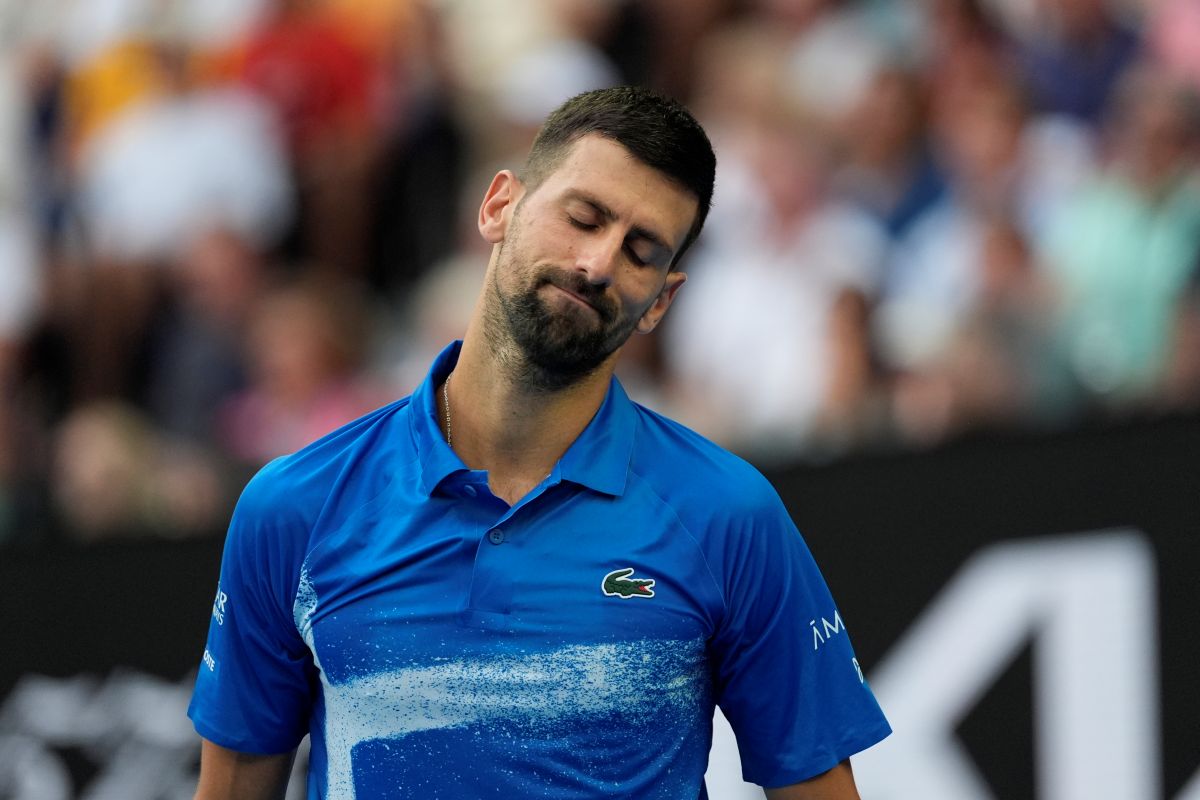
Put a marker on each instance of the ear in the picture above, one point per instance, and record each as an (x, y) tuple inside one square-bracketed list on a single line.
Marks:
[(498, 204), (658, 308)]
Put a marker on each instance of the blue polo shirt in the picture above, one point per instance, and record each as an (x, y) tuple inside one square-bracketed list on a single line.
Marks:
[(437, 643)]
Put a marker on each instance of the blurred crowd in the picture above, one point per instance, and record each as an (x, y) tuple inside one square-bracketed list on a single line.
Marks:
[(229, 226)]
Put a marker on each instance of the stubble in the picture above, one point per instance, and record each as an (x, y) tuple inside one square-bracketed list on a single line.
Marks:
[(542, 348)]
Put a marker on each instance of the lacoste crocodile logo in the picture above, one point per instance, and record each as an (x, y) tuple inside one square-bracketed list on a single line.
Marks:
[(618, 584)]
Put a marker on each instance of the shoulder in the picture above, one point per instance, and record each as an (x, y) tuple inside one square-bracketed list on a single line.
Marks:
[(730, 511), (694, 474), (347, 465)]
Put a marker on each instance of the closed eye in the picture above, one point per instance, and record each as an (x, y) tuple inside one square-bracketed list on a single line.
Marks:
[(642, 247), (634, 257)]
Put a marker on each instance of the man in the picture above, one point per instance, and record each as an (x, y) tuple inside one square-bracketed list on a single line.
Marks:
[(517, 582)]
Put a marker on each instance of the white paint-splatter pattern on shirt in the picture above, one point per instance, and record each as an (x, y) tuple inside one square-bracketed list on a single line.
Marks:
[(538, 689)]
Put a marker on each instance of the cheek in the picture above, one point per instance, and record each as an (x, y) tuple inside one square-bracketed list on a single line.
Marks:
[(638, 303), (531, 254)]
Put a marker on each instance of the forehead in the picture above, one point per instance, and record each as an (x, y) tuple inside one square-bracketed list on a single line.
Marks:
[(636, 192)]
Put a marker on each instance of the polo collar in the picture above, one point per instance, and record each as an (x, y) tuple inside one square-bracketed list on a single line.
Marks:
[(598, 459), (436, 458)]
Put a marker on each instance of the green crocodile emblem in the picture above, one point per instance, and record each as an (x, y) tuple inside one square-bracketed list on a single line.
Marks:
[(618, 584)]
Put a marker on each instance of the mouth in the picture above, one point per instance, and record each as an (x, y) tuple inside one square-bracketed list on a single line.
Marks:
[(575, 298), (579, 300)]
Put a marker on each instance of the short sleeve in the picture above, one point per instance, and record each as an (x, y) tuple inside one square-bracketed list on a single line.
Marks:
[(786, 675), (256, 681)]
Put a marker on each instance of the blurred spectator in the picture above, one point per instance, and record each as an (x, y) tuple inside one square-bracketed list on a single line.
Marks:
[(45, 145), (439, 308), (832, 56), (766, 351), (538, 81), (99, 458), (14, 121), (1074, 56), (1123, 251), (319, 67), (439, 305), (190, 158), (513, 62), (621, 29), (995, 366), (21, 281), (1173, 37), (679, 27), (888, 168), (1001, 164), (117, 77), (739, 79), (793, 17), (168, 168), (114, 475), (197, 359), (856, 412), (751, 345), (314, 69), (964, 47), (417, 188), (304, 349)]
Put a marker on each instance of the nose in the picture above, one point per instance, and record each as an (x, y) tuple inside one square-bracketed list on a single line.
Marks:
[(597, 258)]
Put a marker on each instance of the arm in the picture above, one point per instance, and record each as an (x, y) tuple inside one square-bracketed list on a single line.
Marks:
[(230, 775), (787, 678), (836, 784)]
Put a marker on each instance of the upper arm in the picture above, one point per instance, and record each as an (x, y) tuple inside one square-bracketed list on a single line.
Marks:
[(836, 784), (787, 677), (229, 775), (256, 683)]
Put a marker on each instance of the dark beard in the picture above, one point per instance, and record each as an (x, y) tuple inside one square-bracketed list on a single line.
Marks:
[(559, 348)]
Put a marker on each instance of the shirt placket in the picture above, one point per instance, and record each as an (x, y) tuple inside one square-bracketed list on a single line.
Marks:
[(499, 562)]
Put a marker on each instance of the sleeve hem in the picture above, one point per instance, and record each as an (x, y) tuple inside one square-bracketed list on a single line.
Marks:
[(817, 766), (243, 744)]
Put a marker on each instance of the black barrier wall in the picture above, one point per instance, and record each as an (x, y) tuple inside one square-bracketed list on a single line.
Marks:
[(1017, 576), (891, 533)]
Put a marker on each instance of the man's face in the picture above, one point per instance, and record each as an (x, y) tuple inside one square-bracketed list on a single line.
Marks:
[(584, 259)]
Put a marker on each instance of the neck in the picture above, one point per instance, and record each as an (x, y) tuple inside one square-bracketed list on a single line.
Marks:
[(513, 430)]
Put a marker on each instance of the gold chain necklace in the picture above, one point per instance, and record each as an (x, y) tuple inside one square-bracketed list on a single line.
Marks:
[(446, 401)]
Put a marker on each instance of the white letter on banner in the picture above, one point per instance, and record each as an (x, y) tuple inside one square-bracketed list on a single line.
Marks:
[(1089, 601)]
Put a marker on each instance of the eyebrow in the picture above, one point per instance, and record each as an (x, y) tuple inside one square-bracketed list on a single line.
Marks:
[(607, 213)]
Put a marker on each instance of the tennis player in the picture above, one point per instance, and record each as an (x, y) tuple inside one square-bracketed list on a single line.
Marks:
[(516, 582)]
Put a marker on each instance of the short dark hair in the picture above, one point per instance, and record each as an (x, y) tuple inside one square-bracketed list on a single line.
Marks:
[(655, 129)]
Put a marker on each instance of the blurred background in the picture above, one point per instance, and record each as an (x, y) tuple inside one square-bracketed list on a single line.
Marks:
[(954, 248)]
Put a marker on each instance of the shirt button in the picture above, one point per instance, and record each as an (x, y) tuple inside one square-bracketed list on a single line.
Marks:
[(495, 536), (470, 491)]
